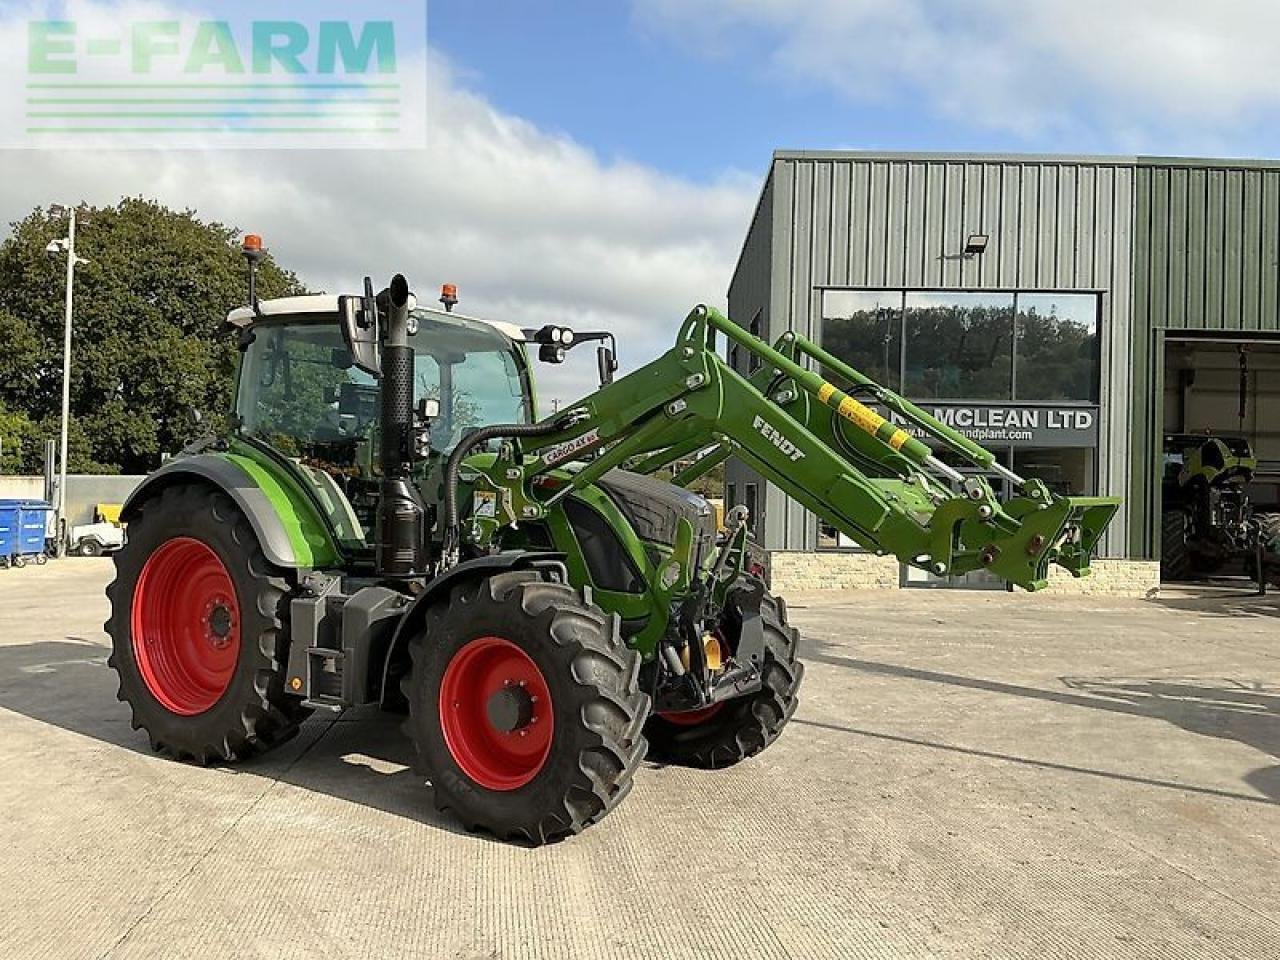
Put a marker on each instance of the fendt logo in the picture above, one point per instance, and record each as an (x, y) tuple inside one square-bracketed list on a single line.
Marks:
[(255, 74), (774, 436)]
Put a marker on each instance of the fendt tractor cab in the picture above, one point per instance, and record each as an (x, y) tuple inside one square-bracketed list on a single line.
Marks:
[(386, 520)]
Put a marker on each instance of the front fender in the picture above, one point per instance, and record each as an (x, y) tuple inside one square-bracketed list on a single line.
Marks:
[(291, 532), (486, 566)]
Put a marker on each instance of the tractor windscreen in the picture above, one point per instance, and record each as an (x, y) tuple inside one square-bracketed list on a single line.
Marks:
[(299, 392)]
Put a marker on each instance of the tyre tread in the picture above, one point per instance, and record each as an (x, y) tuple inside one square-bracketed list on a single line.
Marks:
[(271, 716), (606, 674)]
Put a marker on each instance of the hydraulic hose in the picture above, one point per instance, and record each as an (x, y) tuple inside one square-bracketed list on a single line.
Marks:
[(469, 442)]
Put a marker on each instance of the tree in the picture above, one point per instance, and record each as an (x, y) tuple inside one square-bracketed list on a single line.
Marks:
[(19, 439), (150, 345), (711, 483)]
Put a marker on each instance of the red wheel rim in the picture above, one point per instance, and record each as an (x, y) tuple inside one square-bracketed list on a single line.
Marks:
[(496, 713), (691, 718), (186, 626)]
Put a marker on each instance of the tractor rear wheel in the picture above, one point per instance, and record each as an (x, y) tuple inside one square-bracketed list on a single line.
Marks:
[(732, 730), (524, 708), (1175, 555), (197, 630)]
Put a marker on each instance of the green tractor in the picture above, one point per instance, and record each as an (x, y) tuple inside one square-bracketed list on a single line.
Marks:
[(1208, 520), (387, 521)]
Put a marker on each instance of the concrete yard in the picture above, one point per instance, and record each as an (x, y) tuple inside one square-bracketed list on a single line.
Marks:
[(969, 775)]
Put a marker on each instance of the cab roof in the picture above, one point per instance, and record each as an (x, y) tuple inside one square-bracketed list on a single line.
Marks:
[(328, 303)]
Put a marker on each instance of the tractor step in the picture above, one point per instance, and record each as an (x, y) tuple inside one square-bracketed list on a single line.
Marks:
[(325, 669), (332, 635)]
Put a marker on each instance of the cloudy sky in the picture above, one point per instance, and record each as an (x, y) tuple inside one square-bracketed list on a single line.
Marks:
[(596, 162)]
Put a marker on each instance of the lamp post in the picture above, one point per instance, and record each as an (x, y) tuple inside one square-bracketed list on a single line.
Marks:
[(65, 245)]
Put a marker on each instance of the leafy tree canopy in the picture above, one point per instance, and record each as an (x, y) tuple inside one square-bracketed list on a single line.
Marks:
[(149, 338)]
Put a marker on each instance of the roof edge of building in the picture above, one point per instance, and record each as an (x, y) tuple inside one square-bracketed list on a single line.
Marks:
[(1117, 160)]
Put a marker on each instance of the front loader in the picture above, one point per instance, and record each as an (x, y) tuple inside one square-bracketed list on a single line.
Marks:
[(386, 521)]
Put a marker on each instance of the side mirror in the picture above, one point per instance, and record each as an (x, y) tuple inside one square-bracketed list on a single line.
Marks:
[(360, 330), (606, 363)]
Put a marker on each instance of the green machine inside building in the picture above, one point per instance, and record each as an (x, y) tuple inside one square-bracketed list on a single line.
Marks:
[(1073, 313)]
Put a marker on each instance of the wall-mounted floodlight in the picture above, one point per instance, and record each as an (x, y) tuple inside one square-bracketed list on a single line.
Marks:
[(976, 245)]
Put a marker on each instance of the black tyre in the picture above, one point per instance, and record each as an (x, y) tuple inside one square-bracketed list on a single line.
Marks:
[(197, 629), (1175, 556), (524, 708), (729, 732), (1269, 531), (1269, 537), (90, 548)]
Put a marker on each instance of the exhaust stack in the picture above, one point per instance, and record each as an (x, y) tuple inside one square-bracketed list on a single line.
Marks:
[(401, 546)]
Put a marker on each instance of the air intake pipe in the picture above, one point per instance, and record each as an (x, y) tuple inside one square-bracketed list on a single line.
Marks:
[(401, 524)]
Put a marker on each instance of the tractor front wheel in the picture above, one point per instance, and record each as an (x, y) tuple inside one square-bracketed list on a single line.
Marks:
[(197, 631), (524, 708), (732, 730)]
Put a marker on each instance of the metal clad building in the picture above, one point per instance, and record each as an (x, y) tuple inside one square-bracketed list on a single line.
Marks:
[(1161, 246)]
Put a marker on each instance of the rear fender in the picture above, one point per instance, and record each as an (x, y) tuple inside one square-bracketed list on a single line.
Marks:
[(292, 533)]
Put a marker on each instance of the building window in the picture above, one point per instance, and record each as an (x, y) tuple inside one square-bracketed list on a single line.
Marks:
[(1057, 347), (1067, 471), (1018, 372), (730, 497), (958, 346), (969, 346), (751, 507), (754, 362), (864, 329), (829, 538)]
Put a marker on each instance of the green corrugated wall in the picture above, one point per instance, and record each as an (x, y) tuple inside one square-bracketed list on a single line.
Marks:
[(1206, 257)]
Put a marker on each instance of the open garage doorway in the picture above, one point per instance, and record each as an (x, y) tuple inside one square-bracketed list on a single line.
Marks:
[(1220, 478)]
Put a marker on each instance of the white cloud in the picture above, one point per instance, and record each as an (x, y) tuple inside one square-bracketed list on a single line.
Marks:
[(1028, 67), (531, 226)]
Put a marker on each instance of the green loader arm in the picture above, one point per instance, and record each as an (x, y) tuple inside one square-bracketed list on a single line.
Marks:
[(839, 458)]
